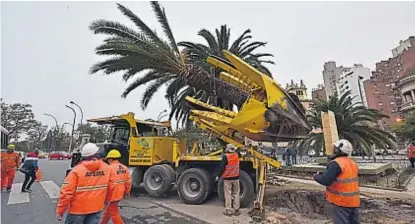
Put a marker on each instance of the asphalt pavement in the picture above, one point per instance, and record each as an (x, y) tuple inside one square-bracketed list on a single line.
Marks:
[(39, 206)]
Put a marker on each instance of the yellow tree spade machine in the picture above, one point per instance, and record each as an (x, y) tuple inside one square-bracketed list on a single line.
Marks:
[(159, 160)]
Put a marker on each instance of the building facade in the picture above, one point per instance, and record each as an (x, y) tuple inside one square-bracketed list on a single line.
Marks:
[(300, 90), (382, 91), (331, 76), (406, 88), (352, 80), (318, 93)]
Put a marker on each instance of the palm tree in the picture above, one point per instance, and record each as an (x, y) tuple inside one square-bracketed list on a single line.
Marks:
[(243, 47), (153, 61), (355, 123)]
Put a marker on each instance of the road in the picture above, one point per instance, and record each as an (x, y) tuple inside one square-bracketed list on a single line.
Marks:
[(39, 206)]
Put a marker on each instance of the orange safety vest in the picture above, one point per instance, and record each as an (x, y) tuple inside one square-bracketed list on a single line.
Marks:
[(84, 190), (344, 191), (122, 181), (10, 160), (232, 167), (411, 151)]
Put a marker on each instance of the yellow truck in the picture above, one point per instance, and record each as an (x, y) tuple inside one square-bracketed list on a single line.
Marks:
[(159, 160)]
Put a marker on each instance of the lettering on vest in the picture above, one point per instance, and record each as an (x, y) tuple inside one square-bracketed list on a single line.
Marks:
[(95, 173)]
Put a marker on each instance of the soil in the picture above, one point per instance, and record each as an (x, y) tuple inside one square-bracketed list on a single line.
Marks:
[(310, 206)]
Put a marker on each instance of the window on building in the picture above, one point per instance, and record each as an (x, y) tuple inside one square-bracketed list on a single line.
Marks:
[(392, 102), (380, 104), (387, 85)]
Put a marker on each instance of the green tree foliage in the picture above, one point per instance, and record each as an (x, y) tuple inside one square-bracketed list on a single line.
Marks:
[(405, 129), (99, 133), (145, 58), (355, 123), (36, 134), (17, 118)]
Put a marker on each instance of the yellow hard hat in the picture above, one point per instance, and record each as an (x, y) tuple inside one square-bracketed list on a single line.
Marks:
[(113, 154), (11, 146)]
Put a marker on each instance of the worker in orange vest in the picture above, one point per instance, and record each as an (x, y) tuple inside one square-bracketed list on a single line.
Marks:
[(122, 188), (86, 189), (229, 170), (342, 184), (411, 154), (10, 162)]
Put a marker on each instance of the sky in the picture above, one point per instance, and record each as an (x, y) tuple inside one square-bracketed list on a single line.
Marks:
[(47, 48)]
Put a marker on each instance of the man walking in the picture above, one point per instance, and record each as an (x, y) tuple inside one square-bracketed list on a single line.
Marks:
[(342, 181), (85, 189), (10, 162), (31, 167), (411, 154), (229, 170), (122, 188)]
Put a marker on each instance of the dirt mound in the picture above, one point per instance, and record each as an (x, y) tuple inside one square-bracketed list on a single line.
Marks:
[(313, 204)]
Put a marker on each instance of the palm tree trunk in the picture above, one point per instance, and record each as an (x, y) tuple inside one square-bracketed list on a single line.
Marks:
[(200, 79)]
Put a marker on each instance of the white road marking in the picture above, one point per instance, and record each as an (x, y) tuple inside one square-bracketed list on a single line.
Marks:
[(51, 188), (16, 196)]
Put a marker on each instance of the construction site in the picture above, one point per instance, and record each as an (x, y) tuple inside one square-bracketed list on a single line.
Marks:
[(270, 192)]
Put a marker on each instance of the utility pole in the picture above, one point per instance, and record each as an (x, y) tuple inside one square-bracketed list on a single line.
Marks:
[(73, 126)]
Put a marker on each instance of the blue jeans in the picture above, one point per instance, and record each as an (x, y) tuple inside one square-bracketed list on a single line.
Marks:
[(342, 215), (92, 218)]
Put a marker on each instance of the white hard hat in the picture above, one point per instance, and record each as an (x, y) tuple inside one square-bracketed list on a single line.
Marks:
[(230, 148), (89, 149), (344, 146)]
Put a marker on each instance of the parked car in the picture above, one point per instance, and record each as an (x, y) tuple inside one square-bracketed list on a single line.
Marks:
[(59, 155)]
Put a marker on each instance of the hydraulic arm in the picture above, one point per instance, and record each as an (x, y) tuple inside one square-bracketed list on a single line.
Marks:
[(269, 114)]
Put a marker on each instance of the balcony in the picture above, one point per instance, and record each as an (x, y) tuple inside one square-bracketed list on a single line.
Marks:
[(407, 106)]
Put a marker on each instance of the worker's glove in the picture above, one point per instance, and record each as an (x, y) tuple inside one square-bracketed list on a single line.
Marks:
[(59, 217), (217, 179), (127, 195)]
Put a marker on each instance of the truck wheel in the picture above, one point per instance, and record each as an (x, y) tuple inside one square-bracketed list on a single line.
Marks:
[(194, 186), (157, 180), (246, 189), (171, 172), (136, 177)]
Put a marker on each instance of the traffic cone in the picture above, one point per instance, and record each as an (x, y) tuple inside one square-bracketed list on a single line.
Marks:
[(39, 175)]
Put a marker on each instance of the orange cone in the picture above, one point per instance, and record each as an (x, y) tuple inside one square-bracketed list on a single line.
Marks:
[(39, 175)]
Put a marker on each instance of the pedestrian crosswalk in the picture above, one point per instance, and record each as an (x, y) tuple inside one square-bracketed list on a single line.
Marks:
[(18, 197)]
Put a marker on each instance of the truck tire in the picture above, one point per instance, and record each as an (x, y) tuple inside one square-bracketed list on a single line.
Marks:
[(194, 186), (136, 177), (246, 187), (171, 172), (157, 180)]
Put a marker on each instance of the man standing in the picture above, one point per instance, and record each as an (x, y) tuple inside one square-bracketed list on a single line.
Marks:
[(342, 181), (122, 188), (85, 189), (10, 162), (411, 154), (229, 170)]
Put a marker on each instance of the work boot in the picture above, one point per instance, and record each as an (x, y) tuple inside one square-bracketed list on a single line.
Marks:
[(237, 212), (8, 190), (227, 214), (28, 190)]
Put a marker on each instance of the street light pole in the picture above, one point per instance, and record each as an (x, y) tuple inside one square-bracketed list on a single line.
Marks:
[(158, 117), (53, 140), (73, 126), (82, 116)]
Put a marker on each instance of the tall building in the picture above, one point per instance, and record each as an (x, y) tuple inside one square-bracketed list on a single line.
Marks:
[(331, 76), (300, 90), (352, 80), (318, 93), (381, 91)]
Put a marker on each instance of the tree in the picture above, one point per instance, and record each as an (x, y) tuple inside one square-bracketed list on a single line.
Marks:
[(243, 47), (153, 61), (98, 133), (37, 133), (17, 118), (355, 123), (405, 129)]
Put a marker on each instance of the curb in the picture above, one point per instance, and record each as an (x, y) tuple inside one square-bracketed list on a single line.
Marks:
[(192, 218)]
